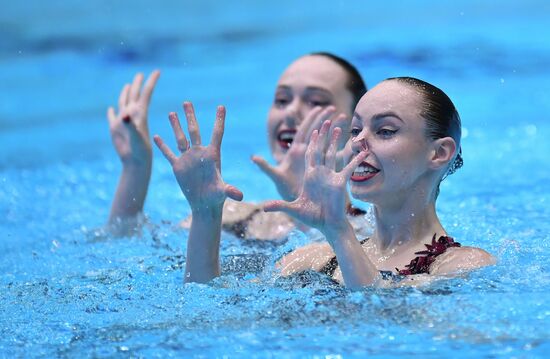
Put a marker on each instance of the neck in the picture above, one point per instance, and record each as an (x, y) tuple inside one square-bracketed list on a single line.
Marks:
[(401, 225)]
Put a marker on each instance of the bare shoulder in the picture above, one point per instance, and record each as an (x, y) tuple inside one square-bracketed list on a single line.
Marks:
[(234, 211), (309, 257), (461, 259), (269, 226)]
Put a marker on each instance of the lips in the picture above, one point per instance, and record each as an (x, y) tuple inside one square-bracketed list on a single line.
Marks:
[(285, 138), (364, 172)]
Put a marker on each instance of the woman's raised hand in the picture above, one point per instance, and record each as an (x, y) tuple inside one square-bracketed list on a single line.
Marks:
[(197, 168), (288, 175), (321, 203), (128, 127)]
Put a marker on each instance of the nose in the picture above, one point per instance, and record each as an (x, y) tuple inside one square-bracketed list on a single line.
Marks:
[(359, 143), (294, 113)]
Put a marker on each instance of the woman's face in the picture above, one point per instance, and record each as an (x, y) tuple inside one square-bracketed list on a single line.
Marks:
[(310, 81), (387, 120)]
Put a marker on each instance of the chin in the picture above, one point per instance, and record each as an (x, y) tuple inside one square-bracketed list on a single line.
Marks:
[(362, 194), (277, 155)]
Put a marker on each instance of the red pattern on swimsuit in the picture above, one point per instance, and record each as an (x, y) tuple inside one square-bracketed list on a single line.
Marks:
[(421, 264)]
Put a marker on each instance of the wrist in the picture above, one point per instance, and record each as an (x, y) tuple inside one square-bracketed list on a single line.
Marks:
[(211, 211), (337, 229), (138, 166)]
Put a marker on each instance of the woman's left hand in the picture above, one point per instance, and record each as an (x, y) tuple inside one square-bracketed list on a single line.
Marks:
[(197, 169)]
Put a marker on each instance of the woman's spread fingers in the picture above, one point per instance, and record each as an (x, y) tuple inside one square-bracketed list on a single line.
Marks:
[(264, 166), (278, 205), (233, 192), (355, 161), (111, 116), (343, 156), (165, 149), (322, 142), (192, 125), (324, 115), (342, 122), (149, 87), (304, 131), (181, 140), (219, 125), (123, 98), (310, 158), (136, 86), (330, 159)]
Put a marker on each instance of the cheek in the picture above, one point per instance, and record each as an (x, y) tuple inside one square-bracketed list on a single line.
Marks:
[(404, 159), (273, 122), (391, 155)]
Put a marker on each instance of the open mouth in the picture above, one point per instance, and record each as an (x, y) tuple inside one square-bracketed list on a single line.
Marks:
[(285, 138), (364, 172)]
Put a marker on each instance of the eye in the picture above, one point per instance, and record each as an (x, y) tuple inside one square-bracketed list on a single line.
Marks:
[(355, 132), (281, 101), (322, 103), (386, 132)]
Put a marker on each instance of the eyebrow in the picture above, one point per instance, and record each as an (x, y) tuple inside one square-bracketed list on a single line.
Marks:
[(308, 89), (379, 116)]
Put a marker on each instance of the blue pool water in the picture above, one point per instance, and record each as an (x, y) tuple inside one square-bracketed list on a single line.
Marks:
[(67, 291)]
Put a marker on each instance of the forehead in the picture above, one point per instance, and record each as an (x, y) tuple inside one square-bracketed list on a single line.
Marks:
[(393, 96), (315, 71)]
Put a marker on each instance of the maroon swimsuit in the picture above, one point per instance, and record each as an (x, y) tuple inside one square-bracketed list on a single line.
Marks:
[(418, 265)]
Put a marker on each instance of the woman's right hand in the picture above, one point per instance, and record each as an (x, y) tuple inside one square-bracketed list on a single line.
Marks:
[(197, 169), (322, 201), (288, 175), (128, 127)]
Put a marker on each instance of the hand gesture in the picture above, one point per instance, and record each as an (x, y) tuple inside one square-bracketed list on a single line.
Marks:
[(322, 201), (129, 129), (197, 169), (289, 174)]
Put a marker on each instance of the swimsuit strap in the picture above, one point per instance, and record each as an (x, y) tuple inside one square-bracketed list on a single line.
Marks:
[(422, 263), (418, 265), (239, 228), (332, 264)]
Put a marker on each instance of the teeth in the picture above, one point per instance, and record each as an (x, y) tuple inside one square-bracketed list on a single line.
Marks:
[(363, 170), (286, 136)]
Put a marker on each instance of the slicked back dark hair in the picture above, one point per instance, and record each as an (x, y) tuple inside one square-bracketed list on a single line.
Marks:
[(442, 119), (355, 83)]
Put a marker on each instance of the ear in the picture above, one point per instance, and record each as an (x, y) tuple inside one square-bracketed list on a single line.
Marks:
[(443, 151)]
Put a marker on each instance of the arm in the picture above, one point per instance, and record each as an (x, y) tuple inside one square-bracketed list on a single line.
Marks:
[(197, 171), (130, 136), (321, 204)]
